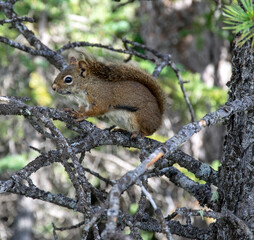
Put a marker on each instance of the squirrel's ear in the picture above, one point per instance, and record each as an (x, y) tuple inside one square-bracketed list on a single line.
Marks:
[(82, 64), (72, 61)]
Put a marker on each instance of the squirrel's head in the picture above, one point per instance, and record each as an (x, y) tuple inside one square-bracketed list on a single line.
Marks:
[(71, 79)]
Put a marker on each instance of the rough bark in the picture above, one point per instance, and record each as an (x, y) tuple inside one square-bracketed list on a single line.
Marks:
[(236, 173)]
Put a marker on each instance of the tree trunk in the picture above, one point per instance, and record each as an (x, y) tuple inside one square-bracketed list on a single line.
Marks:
[(236, 188)]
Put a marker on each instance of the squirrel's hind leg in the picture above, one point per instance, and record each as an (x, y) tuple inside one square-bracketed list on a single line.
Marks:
[(136, 134)]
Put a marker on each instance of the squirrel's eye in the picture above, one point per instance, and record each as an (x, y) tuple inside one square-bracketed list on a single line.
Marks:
[(68, 79)]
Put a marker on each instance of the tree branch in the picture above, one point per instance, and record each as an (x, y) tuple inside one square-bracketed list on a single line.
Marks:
[(68, 149), (21, 19), (202, 192), (53, 57)]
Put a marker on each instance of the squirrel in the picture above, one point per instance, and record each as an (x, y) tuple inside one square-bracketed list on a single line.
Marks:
[(128, 96)]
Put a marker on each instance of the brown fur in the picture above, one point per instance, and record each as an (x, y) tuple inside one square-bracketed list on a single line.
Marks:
[(129, 96), (116, 72)]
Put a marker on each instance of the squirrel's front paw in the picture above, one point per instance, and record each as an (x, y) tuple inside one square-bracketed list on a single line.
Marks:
[(80, 117), (76, 114), (69, 110)]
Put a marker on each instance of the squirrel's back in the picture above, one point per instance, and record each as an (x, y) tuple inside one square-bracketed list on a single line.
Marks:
[(124, 72)]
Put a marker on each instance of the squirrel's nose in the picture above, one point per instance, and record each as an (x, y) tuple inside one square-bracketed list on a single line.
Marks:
[(54, 86)]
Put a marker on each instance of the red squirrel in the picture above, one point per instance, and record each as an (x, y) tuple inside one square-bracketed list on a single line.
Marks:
[(130, 97)]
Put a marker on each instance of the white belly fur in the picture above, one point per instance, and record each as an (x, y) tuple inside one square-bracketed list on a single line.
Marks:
[(123, 119), (80, 98)]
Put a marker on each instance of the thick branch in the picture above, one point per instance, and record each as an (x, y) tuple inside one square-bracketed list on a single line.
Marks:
[(201, 192), (14, 106)]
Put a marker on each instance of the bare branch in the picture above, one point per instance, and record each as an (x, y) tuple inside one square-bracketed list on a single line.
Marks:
[(244, 104), (188, 231), (122, 4), (202, 192), (98, 176), (159, 214), (68, 149), (159, 67), (69, 227), (216, 215), (181, 82), (54, 231), (21, 19), (98, 45), (37, 193), (53, 57), (200, 169), (151, 50), (22, 47)]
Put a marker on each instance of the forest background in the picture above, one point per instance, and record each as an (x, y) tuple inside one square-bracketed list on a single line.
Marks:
[(190, 31)]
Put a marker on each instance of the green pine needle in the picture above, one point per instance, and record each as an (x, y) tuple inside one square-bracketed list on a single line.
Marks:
[(240, 21)]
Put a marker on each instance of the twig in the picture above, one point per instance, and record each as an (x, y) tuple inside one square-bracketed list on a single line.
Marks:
[(21, 19), (95, 217), (122, 4), (69, 227), (96, 232), (37, 193), (159, 67), (164, 225), (98, 45), (54, 231), (99, 176), (36, 149), (197, 213), (153, 51), (201, 170), (181, 82), (148, 196), (158, 212)]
